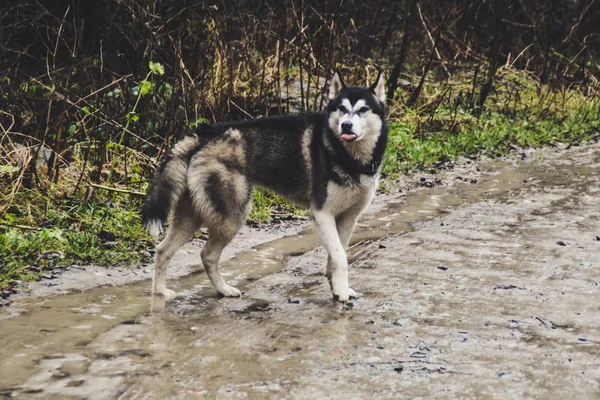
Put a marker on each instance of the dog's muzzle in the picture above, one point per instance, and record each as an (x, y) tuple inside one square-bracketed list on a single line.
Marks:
[(347, 134)]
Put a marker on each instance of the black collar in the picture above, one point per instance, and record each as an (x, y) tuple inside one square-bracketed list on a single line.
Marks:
[(365, 169)]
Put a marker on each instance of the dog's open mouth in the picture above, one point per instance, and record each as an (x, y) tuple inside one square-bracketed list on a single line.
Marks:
[(348, 137)]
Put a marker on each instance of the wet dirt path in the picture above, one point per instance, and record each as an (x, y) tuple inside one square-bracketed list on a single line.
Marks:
[(487, 290)]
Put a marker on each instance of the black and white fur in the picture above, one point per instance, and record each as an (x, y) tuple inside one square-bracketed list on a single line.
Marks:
[(328, 162)]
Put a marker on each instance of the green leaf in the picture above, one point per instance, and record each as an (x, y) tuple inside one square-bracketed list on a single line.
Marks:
[(8, 169), (55, 234), (72, 129), (156, 68), (145, 87), (132, 116)]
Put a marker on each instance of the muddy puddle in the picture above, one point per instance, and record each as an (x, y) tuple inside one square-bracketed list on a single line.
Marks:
[(424, 312)]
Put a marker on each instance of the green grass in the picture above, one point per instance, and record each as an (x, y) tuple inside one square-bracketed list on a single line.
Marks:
[(267, 205), (36, 237), (492, 135), (39, 232), (422, 139)]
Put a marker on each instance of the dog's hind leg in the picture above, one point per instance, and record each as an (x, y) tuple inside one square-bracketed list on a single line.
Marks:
[(219, 236), (211, 253), (181, 229)]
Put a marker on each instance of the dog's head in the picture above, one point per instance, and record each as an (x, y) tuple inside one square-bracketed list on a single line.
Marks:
[(356, 113)]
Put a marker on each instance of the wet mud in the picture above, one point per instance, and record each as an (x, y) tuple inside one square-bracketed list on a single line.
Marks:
[(481, 290)]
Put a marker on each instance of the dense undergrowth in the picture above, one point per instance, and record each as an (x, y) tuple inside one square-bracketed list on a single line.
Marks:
[(64, 222)]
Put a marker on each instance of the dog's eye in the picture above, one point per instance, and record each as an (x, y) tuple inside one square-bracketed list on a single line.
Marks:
[(342, 109), (363, 110)]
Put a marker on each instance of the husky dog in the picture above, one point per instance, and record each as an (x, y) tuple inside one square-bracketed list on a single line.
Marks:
[(328, 162)]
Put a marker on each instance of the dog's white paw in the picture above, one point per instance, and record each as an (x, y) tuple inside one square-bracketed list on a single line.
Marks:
[(345, 295), (168, 294), (352, 293), (229, 291)]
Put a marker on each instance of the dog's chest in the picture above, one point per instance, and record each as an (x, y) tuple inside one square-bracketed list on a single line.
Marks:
[(340, 197)]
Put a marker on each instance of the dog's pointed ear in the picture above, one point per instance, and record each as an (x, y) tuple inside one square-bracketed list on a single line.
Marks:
[(378, 88), (335, 86)]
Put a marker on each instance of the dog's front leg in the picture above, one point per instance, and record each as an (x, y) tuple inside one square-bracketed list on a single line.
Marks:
[(338, 263), (345, 223)]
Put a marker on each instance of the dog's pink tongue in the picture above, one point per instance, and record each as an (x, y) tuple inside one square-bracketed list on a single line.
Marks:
[(348, 137)]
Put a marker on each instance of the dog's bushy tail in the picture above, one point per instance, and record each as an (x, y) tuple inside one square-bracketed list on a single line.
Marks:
[(168, 184)]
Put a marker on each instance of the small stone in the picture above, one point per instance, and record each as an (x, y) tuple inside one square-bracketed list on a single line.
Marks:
[(74, 367), (59, 375), (110, 244), (50, 255), (297, 348)]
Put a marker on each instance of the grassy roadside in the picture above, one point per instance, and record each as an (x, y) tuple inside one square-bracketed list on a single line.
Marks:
[(493, 134), (522, 113), (36, 238), (44, 230)]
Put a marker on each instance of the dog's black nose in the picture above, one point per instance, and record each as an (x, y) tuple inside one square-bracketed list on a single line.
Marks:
[(346, 126)]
